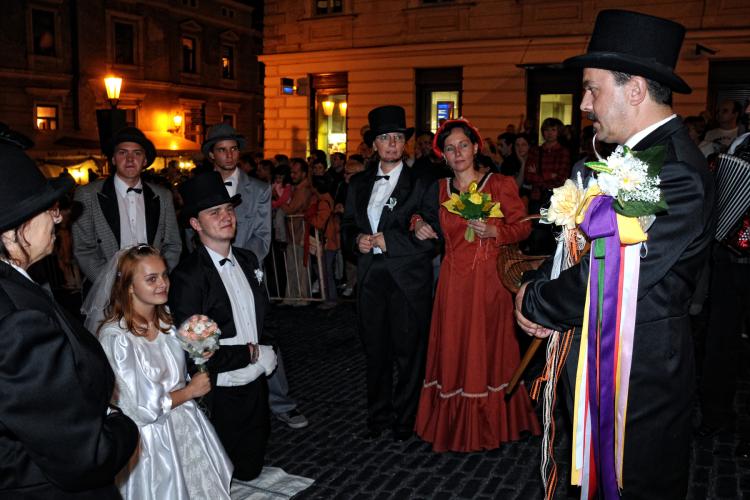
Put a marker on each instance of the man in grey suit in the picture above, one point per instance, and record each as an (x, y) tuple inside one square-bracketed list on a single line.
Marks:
[(222, 148), (122, 210)]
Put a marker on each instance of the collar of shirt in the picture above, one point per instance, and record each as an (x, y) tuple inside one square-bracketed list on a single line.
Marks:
[(122, 189), (19, 269), (234, 179), (217, 258), (637, 137), (393, 175)]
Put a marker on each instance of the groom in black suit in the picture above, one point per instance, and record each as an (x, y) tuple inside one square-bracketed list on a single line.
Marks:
[(394, 272), (225, 283), (628, 81)]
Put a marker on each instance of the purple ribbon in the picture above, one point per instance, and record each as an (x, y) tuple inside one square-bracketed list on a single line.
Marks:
[(600, 224)]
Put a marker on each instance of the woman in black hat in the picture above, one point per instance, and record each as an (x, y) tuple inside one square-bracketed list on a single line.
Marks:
[(59, 438)]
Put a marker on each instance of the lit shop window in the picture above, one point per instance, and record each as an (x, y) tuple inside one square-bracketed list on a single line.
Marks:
[(331, 123), (45, 117)]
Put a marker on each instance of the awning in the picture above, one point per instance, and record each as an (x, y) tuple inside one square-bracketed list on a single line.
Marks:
[(170, 144)]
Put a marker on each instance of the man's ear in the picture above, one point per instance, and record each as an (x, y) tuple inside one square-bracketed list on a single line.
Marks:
[(210, 156), (195, 224), (637, 90)]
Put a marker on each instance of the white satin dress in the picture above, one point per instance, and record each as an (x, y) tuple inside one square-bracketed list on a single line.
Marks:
[(179, 456)]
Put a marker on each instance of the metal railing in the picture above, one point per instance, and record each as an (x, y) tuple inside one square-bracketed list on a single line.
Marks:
[(287, 267)]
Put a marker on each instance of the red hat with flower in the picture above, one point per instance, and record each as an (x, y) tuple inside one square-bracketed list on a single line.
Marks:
[(445, 129)]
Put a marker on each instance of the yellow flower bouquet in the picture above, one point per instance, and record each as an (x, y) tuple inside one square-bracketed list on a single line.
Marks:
[(473, 205)]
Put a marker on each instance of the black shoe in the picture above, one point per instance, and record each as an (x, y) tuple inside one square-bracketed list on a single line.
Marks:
[(401, 436), (370, 434), (743, 449)]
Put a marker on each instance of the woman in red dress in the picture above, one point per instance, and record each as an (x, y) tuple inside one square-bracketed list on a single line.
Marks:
[(473, 350)]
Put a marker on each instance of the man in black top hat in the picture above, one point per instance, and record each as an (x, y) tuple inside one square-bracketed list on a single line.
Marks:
[(225, 283), (394, 272), (628, 80), (122, 210)]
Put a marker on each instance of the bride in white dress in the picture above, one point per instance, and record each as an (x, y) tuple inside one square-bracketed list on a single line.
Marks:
[(179, 456)]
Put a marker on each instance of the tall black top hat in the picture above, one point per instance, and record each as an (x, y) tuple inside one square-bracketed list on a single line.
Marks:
[(204, 191), (221, 132), (387, 119), (24, 191), (637, 44), (132, 134)]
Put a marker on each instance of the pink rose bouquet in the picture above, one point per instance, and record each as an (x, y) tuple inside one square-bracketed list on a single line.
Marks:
[(198, 335)]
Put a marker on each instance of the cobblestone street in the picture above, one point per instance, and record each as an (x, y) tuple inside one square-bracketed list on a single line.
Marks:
[(325, 366)]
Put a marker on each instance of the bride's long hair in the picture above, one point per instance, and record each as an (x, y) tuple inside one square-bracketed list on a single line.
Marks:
[(121, 303)]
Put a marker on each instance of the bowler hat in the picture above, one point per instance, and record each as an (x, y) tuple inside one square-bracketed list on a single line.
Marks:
[(222, 132), (204, 191), (132, 134), (24, 191), (637, 44), (387, 119)]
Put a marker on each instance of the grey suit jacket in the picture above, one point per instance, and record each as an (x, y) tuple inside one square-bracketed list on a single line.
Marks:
[(96, 233), (253, 216)]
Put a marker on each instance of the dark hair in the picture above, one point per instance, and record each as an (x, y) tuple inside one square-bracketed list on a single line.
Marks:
[(425, 132), (320, 155), (339, 155), (507, 138), (281, 159), (358, 157), (484, 161), (302, 163), (552, 122), (247, 158), (526, 137), (443, 134), (660, 93), (268, 164), (120, 301), (17, 237), (285, 172), (321, 184)]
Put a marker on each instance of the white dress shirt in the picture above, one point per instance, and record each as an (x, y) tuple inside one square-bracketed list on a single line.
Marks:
[(380, 196), (234, 179), (242, 301), (638, 136), (132, 210)]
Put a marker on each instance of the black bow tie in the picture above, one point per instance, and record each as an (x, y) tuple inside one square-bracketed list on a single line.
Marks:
[(378, 177), (135, 190), (224, 261), (228, 183)]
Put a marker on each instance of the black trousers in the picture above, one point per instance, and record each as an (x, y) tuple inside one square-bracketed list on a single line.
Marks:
[(730, 285), (394, 329), (241, 418)]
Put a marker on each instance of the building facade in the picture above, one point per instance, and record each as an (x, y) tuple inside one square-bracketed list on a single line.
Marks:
[(495, 62), (185, 64)]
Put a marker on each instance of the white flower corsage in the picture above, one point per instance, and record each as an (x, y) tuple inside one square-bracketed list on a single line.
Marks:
[(391, 203), (259, 276)]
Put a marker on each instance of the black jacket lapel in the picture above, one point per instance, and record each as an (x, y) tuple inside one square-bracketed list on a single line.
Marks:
[(659, 135), (399, 194), (108, 203), (151, 204), (363, 197)]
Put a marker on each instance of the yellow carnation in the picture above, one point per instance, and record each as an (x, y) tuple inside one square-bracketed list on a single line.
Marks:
[(476, 198), (564, 205)]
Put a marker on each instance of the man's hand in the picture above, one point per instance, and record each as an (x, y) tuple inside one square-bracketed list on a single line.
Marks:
[(378, 240), (528, 326), (423, 231), (364, 242)]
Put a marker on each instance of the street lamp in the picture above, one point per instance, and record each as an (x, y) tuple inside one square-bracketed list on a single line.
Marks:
[(113, 84), (109, 121)]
